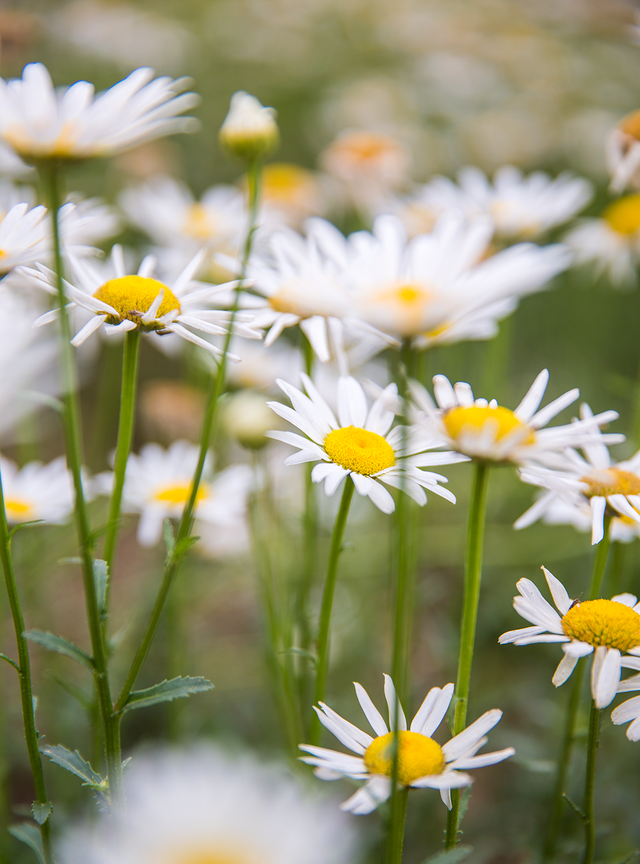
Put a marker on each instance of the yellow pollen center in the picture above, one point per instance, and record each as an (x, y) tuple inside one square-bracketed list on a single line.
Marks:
[(418, 756), (475, 417), (132, 296), (611, 481), (286, 184), (15, 507), (631, 124), (199, 223), (359, 450), (603, 622), (179, 494), (206, 856), (624, 214)]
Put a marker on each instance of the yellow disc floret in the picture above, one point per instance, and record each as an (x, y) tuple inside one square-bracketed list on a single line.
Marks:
[(179, 494), (611, 481), (603, 622), (624, 214), (17, 509), (474, 419), (359, 450), (206, 856), (132, 296), (418, 756)]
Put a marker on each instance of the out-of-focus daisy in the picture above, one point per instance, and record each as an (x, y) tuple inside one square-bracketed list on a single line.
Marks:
[(158, 484), (608, 629), (205, 805), (130, 302), (289, 194), (560, 511), (611, 242), (85, 223), (488, 431), (37, 491), (359, 444), (594, 483), (24, 236), (521, 207), (422, 763), (622, 149), (72, 124), (438, 287)]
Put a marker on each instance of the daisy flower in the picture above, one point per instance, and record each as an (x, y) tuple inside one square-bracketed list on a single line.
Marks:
[(206, 805), (37, 492), (488, 431), (608, 629), (612, 241), (130, 302), (290, 194), (24, 236), (359, 444), (422, 763), (158, 484), (40, 122), (629, 710), (593, 483), (558, 511)]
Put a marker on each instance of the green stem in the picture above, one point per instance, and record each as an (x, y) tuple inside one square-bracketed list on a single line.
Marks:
[(24, 675), (176, 556), (327, 602), (472, 578), (395, 837), (71, 424), (600, 561), (123, 447), (589, 785)]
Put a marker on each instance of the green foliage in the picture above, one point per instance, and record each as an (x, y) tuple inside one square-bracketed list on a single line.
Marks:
[(74, 763), (166, 691), (41, 812), (29, 835), (60, 645)]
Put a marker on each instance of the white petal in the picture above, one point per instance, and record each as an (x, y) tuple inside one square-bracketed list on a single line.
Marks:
[(352, 403), (94, 323), (370, 488), (564, 670), (577, 649), (485, 759), (605, 675), (365, 800), (348, 734), (370, 711), (432, 711), (447, 780), (394, 705), (598, 506), (529, 405), (459, 745), (558, 592)]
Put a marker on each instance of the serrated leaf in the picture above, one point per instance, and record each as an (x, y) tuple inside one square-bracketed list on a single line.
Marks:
[(166, 691), (41, 812), (30, 835), (101, 580), (60, 645), (450, 856), (73, 762)]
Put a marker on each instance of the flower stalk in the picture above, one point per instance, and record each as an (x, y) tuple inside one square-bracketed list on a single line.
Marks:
[(397, 819), (589, 785)]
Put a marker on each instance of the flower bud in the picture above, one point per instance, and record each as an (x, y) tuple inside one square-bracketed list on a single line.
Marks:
[(249, 129)]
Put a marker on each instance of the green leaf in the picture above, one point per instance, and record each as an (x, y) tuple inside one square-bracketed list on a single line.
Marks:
[(41, 812), (176, 688), (101, 581), (10, 662), (60, 645), (24, 525), (30, 835), (451, 856), (169, 536), (74, 763)]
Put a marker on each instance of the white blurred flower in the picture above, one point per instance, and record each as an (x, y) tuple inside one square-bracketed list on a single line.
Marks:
[(611, 242), (40, 122), (622, 149), (37, 491), (289, 194), (24, 236), (246, 417), (249, 130)]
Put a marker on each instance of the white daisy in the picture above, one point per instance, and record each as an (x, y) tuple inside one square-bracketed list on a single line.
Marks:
[(37, 491), (129, 302), (158, 484), (422, 763), (289, 194), (24, 236), (359, 444), (486, 430), (558, 511), (594, 483), (209, 805), (438, 287), (40, 122), (608, 629)]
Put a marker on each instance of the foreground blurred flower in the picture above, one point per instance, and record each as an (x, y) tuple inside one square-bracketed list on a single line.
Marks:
[(249, 130), (202, 806), (24, 236), (158, 484), (487, 431), (612, 242), (422, 763), (606, 628), (360, 445), (622, 150), (37, 491), (129, 302), (72, 124)]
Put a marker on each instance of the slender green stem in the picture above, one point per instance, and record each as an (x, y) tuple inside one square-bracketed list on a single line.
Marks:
[(395, 837), (125, 436), (600, 561), (589, 785), (616, 574), (71, 424), (176, 556), (472, 578), (327, 603)]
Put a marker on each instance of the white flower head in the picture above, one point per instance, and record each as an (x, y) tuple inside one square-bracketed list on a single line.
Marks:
[(249, 130), (71, 124), (358, 444), (422, 763), (130, 302), (24, 236), (608, 629), (486, 430), (592, 484), (37, 492)]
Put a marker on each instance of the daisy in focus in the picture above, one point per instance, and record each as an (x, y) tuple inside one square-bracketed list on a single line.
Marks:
[(37, 492), (422, 763), (611, 242), (40, 122), (203, 805), (141, 302), (608, 629), (592, 485), (487, 431), (358, 444)]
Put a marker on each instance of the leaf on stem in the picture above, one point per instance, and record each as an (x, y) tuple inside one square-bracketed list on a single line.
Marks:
[(41, 812), (74, 763), (101, 580), (450, 856), (576, 809), (166, 691), (24, 525), (60, 645), (29, 835), (10, 662)]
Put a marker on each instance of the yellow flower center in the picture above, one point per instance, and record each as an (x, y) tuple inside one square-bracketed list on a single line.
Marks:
[(286, 184), (199, 223), (474, 419), (418, 756), (631, 124), (179, 494), (623, 215), (611, 481), (206, 856), (603, 622), (359, 450), (132, 296), (17, 510)]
